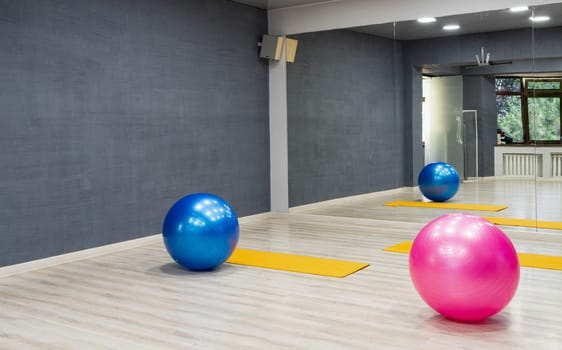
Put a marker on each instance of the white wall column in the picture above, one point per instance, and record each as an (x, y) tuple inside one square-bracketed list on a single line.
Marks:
[(278, 147)]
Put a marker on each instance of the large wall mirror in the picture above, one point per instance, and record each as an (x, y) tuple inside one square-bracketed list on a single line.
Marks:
[(369, 106)]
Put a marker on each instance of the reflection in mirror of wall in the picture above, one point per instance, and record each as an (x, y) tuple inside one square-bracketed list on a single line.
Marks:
[(326, 94), (488, 45)]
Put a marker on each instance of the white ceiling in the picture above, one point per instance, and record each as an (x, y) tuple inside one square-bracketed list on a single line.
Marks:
[(277, 4), (479, 22)]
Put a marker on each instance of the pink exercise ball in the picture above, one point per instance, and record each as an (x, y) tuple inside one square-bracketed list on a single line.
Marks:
[(464, 267)]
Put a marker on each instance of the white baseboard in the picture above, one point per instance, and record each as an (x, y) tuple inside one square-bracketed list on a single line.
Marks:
[(93, 252), (249, 218), (350, 198), (528, 178), (75, 256)]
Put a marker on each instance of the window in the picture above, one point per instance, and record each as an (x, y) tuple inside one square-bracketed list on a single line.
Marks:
[(508, 102), (528, 109)]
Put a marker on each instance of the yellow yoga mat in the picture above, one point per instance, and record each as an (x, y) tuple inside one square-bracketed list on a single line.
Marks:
[(446, 205), (402, 247), (525, 222), (295, 263), (538, 261)]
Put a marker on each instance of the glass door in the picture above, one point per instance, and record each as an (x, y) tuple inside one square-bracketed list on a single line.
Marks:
[(444, 141)]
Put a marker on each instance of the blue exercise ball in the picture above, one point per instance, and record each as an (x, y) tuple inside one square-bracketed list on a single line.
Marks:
[(200, 231), (438, 181)]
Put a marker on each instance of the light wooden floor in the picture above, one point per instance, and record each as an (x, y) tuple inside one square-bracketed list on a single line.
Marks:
[(139, 299)]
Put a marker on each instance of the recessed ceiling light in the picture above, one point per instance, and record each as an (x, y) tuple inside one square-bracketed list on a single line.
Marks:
[(539, 18), (518, 9), (451, 27), (426, 20)]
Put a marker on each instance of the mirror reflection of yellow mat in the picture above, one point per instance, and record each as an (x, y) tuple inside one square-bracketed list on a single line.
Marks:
[(295, 263), (538, 261), (525, 222), (446, 205)]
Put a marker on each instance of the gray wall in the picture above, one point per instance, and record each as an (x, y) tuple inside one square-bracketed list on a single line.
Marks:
[(112, 110), (344, 101), (479, 93)]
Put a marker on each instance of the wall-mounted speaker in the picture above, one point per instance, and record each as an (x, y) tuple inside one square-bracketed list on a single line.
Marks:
[(271, 47), (291, 49)]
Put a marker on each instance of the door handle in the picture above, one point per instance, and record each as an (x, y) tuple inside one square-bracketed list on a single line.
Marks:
[(459, 130)]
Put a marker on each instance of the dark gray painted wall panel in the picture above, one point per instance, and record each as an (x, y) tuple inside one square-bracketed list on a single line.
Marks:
[(417, 154), (479, 93), (112, 110), (344, 133)]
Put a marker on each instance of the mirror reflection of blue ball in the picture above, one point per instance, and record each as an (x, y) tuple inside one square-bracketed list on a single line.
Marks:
[(438, 181), (200, 231)]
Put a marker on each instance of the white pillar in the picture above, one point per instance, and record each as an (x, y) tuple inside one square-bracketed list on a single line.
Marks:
[(278, 148)]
